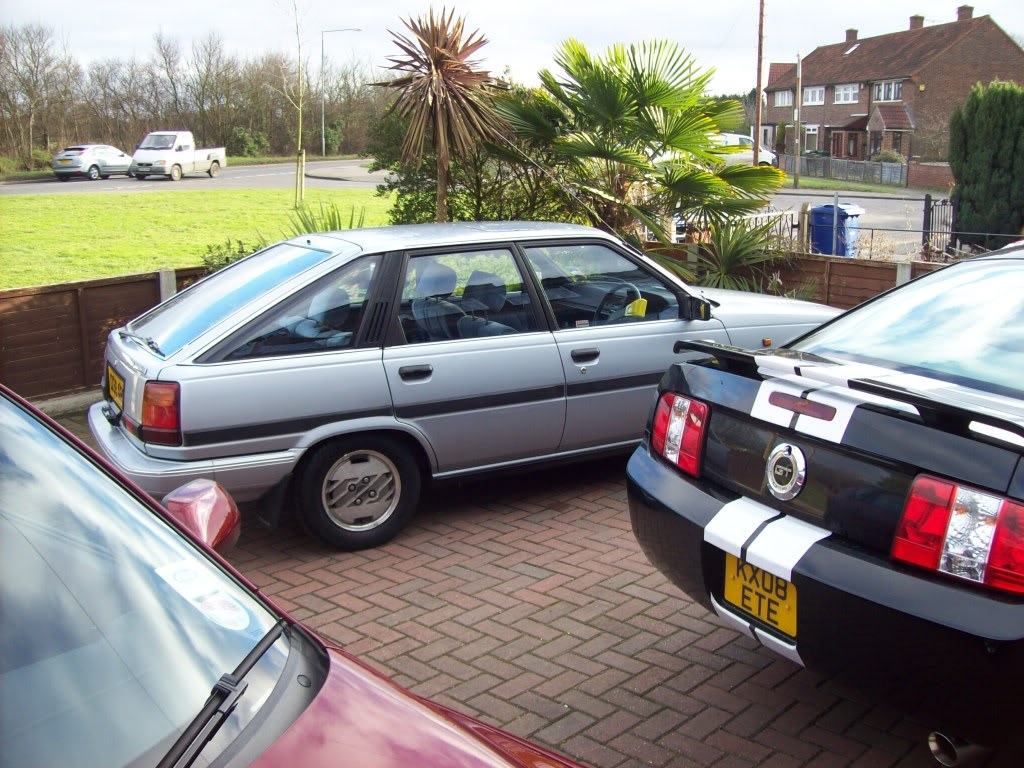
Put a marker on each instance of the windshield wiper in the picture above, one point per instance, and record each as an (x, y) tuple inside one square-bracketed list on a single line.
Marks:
[(149, 341), (219, 706)]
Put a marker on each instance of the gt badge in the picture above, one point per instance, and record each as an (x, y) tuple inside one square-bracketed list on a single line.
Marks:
[(786, 471)]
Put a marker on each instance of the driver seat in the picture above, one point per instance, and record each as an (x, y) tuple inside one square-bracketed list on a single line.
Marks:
[(436, 317)]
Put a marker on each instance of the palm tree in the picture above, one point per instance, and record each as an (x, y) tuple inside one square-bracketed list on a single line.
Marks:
[(633, 132), (443, 94)]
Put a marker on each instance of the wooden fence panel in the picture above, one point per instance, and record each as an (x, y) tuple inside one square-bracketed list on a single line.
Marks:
[(39, 340), (851, 281), (52, 337)]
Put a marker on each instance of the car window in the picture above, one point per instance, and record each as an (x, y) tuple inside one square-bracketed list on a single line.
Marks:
[(322, 318), (113, 627), (464, 295), (591, 284), (189, 314), (963, 324)]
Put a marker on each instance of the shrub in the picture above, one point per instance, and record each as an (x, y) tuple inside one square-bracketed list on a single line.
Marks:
[(220, 255), (245, 143), (39, 160), (889, 156), (7, 165)]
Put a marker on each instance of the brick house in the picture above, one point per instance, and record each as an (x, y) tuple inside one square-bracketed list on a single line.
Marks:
[(894, 91)]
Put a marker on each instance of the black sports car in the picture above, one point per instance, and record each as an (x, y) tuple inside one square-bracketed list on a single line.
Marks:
[(855, 500)]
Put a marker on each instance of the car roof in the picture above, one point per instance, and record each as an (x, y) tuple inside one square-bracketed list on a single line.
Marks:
[(456, 233)]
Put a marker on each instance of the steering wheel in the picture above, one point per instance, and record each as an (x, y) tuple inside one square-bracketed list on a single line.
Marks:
[(611, 303)]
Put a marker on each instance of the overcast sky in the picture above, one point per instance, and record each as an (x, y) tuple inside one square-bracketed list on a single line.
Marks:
[(522, 35)]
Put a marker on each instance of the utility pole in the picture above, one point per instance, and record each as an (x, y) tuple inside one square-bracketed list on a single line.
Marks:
[(757, 90), (796, 126)]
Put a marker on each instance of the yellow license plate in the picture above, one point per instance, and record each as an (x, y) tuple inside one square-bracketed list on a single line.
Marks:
[(115, 388), (760, 594)]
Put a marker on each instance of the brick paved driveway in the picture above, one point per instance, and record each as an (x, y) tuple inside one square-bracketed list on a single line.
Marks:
[(526, 601)]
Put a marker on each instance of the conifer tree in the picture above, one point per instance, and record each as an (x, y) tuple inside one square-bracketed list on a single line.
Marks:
[(986, 155)]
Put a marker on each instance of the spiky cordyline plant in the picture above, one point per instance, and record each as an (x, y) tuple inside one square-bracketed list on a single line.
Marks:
[(443, 93)]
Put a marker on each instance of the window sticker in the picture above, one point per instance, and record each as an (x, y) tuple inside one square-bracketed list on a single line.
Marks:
[(198, 586)]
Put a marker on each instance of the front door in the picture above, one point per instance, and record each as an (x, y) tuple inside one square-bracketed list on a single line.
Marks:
[(617, 323)]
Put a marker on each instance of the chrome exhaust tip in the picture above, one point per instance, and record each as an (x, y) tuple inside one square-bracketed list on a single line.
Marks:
[(949, 750)]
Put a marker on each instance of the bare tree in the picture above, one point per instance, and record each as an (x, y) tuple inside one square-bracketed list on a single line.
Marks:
[(31, 79), (211, 85)]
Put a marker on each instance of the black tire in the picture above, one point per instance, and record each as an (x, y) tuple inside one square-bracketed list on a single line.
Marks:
[(214, 169), (63, 178), (93, 173), (175, 173), (358, 492)]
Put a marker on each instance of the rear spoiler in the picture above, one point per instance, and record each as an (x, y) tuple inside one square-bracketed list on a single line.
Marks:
[(934, 408)]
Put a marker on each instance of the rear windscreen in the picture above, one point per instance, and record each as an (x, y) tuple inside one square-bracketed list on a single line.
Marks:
[(190, 314)]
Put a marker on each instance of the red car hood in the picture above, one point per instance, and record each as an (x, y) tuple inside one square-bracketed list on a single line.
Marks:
[(361, 718)]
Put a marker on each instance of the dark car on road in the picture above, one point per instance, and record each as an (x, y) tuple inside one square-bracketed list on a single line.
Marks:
[(854, 500), (125, 641)]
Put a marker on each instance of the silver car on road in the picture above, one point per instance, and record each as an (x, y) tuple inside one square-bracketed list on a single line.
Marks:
[(338, 372), (90, 161)]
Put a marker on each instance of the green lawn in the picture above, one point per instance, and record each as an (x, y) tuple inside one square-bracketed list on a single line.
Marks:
[(47, 239)]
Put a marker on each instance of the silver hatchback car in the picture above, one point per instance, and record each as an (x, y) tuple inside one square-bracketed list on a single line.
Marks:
[(337, 372), (91, 161)]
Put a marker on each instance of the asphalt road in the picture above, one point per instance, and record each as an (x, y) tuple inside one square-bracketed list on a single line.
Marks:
[(321, 174)]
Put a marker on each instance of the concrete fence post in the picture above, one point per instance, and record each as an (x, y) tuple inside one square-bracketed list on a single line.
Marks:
[(168, 283), (903, 272)]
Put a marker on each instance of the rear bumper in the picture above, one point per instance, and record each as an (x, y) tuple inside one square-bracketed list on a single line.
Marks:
[(952, 652), (246, 478)]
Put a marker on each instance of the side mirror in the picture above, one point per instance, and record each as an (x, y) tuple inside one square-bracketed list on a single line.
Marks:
[(207, 511), (694, 308)]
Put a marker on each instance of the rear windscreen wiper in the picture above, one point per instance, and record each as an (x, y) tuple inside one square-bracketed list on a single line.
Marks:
[(149, 341), (221, 703)]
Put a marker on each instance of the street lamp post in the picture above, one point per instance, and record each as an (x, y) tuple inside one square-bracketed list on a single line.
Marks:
[(323, 120)]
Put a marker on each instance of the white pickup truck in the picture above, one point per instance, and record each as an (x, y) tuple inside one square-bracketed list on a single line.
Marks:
[(173, 154)]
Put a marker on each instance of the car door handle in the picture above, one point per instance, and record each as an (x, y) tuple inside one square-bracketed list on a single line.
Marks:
[(585, 355), (415, 372)]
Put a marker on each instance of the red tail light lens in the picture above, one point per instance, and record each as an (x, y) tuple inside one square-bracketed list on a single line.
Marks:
[(678, 431), (962, 532), (161, 413)]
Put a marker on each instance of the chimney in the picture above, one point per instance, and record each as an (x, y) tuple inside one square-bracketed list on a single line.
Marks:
[(916, 22), (851, 35), (964, 13)]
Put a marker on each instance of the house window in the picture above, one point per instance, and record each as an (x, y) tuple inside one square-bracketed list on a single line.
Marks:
[(847, 94), (810, 137), (783, 98), (888, 90), (814, 95), (876, 143), (897, 142)]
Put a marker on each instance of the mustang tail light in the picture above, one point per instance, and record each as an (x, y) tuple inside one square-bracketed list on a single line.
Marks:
[(161, 414), (963, 532), (678, 431)]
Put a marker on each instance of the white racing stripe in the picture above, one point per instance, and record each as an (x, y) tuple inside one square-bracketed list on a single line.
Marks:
[(776, 548), (736, 522), (774, 543), (781, 545), (829, 389)]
